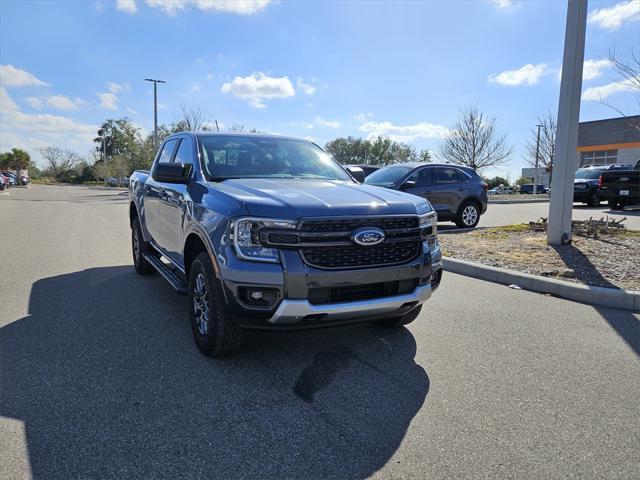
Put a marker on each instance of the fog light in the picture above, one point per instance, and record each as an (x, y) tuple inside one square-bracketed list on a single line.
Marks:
[(259, 297)]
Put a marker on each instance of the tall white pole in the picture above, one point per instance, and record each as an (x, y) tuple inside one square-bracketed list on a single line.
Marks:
[(565, 161)]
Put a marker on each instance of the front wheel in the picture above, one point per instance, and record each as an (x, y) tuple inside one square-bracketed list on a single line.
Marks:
[(139, 247), (215, 332), (468, 215)]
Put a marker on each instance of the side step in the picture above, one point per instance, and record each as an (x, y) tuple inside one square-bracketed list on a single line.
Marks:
[(169, 275)]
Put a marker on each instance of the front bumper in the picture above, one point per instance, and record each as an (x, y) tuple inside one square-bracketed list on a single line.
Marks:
[(295, 311), (294, 281)]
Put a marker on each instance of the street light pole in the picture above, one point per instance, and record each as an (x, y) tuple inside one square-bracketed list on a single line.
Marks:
[(155, 109), (561, 204), (535, 174)]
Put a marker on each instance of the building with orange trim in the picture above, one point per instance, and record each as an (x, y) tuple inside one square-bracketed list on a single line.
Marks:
[(612, 141)]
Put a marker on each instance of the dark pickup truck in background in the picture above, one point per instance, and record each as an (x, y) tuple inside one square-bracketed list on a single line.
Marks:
[(268, 232), (620, 187)]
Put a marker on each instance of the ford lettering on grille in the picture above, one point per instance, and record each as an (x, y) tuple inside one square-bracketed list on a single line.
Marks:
[(368, 236)]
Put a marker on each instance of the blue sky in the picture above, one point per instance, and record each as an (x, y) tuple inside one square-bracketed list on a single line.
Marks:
[(310, 69)]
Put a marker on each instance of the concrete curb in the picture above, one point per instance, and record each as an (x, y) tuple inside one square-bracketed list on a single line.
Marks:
[(506, 202), (606, 297)]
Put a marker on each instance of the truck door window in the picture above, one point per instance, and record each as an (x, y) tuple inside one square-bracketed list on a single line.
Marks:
[(185, 152), (167, 151)]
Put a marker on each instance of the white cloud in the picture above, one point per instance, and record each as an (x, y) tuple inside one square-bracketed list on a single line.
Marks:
[(117, 88), (31, 131), (403, 133), (35, 103), (326, 123), (306, 88), (257, 87), (501, 4), (239, 7), (209, 77), (131, 111), (600, 93), (528, 74), (108, 100), (593, 68), (363, 117), (61, 102), (128, 6), (612, 18), (11, 76)]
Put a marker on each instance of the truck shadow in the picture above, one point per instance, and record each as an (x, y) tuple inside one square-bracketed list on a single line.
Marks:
[(108, 383)]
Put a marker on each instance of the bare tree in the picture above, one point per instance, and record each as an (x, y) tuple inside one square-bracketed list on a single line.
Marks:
[(629, 70), (475, 142), (547, 142), (192, 119), (59, 161)]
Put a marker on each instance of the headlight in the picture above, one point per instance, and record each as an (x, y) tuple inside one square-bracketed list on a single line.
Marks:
[(429, 226), (245, 234)]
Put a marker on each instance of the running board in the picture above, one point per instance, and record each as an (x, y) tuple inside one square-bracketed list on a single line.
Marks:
[(169, 275)]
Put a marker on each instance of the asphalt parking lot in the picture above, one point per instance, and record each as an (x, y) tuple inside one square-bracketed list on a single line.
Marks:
[(99, 376)]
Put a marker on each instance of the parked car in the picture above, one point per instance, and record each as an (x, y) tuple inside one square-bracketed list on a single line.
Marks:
[(268, 232), (4, 183), (585, 185), (528, 188), (457, 193), (620, 186), (11, 177), (495, 191), (360, 172)]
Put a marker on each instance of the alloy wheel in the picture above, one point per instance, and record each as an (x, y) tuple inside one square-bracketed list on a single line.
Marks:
[(201, 305), (469, 215)]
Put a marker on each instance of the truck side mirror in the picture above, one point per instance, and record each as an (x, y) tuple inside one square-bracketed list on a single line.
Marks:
[(172, 173)]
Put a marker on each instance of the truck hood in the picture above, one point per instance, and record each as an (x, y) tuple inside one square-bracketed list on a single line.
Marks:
[(293, 198)]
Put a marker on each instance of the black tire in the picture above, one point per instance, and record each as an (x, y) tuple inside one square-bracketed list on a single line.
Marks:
[(593, 200), (615, 204), (138, 248), (468, 215), (219, 335), (401, 321)]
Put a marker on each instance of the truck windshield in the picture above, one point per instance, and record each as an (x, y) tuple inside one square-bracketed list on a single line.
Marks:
[(252, 156)]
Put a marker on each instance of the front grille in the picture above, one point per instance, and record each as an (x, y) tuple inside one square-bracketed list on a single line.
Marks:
[(349, 256), (350, 224), (351, 293)]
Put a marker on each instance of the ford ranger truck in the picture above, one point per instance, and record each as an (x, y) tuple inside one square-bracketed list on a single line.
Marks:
[(268, 232)]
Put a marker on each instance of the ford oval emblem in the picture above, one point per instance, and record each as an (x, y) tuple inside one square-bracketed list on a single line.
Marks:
[(368, 236), (624, 179)]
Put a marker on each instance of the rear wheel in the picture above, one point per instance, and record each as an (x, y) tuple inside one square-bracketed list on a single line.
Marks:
[(401, 321), (468, 215), (215, 332), (139, 248), (593, 200), (615, 204)]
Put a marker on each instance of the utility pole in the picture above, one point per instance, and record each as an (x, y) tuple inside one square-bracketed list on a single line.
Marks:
[(535, 175), (155, 109), (565, 160)]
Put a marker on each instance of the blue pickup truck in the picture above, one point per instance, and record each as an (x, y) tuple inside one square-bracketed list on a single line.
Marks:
[(268, 232)]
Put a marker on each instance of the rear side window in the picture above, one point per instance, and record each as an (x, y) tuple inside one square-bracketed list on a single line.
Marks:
[(448, 176), (185, 152), (167, 151)]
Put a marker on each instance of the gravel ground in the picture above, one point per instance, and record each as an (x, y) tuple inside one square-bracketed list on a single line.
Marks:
[(609, 261)]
